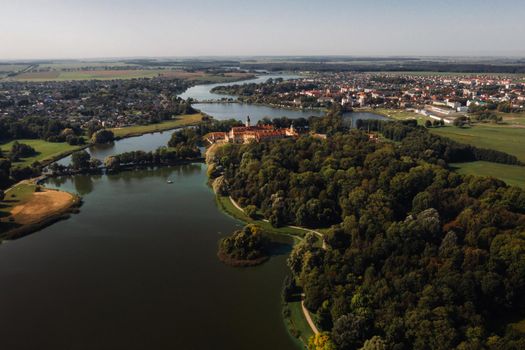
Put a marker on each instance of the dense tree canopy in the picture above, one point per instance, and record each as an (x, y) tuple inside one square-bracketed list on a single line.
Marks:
[(417, 256)]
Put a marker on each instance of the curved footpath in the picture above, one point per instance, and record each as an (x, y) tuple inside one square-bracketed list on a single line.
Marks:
[(306, 313), (308, 317)]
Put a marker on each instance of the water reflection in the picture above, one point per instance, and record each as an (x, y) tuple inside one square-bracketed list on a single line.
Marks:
[(85, 184)]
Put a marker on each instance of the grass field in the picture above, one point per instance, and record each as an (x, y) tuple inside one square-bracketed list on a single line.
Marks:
[(179, 121), (513, 175), (46, 150), (501, 138)]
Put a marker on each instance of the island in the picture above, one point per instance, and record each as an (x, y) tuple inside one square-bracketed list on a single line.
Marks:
[(245, 247)]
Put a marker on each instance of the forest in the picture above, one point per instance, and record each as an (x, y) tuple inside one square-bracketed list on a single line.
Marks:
[(416, 257)]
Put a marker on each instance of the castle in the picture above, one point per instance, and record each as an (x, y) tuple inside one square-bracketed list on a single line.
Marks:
[(249, 133)]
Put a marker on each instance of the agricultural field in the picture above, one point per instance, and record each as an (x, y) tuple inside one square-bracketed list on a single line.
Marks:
[(45, 150), (513, 175), (179, 121), (101, 74), (6, 69), (110, 74)]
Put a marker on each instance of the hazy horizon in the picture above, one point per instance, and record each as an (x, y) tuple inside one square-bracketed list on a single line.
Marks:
[(60, 29)]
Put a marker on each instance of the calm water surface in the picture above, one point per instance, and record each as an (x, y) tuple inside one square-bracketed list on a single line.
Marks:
[(137, 269), (222, 111)]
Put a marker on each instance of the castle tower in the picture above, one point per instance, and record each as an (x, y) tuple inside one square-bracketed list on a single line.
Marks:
[(247, 121)]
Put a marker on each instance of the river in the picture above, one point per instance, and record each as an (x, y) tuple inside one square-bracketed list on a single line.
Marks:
[(222, 111)]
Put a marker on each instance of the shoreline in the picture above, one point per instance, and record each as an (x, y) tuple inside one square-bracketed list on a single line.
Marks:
[(61, 211), (52, 217), (236, 212)]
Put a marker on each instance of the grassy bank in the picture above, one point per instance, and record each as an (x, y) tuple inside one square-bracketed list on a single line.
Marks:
[(178, 122), (46, 151), (296, 323), (513, 175)]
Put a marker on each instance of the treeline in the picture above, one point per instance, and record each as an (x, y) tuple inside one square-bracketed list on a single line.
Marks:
[(273, 92), (418, 142), (417, 256), (416, 66), (36, 127), (161, 156)]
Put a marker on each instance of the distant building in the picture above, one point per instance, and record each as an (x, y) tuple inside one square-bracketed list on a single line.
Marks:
[(248, 133)]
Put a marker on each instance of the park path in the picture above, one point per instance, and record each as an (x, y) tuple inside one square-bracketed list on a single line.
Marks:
[(308, 317)]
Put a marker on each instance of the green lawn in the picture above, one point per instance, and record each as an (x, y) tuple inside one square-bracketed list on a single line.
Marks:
[(179, 121), (513, 175), (501, 138), (46, 150)]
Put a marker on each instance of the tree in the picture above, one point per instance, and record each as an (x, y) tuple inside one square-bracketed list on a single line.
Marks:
[(21, 150), (374, 343), (80, 160), (103, 136), (350, 331), (321, 341), (251, 211)]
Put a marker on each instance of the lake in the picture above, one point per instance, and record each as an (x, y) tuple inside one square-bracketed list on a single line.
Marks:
[(137, 269)]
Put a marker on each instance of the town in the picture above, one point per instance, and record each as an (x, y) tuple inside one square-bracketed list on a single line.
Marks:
[(445, 97), (113, 103)]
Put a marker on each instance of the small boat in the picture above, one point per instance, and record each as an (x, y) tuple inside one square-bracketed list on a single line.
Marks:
[(170, 182)]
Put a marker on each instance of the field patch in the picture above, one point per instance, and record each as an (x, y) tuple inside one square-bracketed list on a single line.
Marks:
[(513, 175), (40, 205), (510, 140), (45, 150), (179, 121)]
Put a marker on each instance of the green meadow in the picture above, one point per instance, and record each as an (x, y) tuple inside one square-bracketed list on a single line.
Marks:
[(513, 175), (46, 151)]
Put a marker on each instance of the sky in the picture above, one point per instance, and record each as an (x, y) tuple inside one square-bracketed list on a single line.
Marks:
[(43, 29)]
